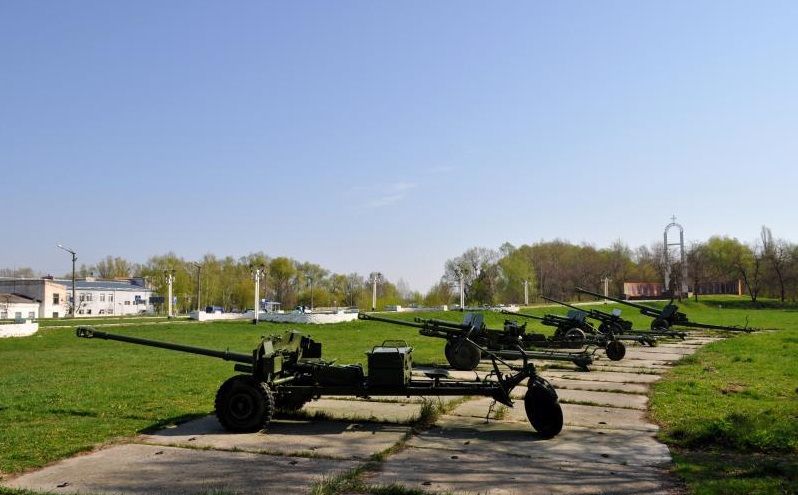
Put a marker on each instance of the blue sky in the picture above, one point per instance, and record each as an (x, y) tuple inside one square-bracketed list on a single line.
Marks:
[(390, 136)]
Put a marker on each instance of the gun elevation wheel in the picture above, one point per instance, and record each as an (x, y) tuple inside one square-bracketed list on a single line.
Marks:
[(615, 350), (543, 408), (462, 355), (244, 404), (575, 335), (660, 324), (605, 329)]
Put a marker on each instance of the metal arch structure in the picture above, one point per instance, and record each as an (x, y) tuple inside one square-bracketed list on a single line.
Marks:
[(668, 262)]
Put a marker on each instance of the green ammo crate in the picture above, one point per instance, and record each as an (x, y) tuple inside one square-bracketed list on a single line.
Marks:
[(390, 364)]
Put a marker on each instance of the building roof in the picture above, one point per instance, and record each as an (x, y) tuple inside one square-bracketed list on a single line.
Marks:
[(121, 285), (15, 298)]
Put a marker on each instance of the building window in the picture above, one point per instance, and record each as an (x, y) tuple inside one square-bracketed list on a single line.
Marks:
[(18, 315), (110, 298), (56, 298), (102, 297), (82, 296), (88, 311), (80, 311), (4, 315), (110, 311), (127, 303), (31, 314), (55, 314), (88, 296)]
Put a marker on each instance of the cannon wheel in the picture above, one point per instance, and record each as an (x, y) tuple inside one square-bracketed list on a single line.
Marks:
[(575, 335), (462, 356), (615, 350), (543, 408), (244, 404), (660, 323)]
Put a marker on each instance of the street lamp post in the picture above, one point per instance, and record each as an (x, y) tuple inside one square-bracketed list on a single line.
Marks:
[(459, 274), (311, 292), (170, 277), (198, 266), (526, 292), (375, 277), (74, 259), (257, 273)]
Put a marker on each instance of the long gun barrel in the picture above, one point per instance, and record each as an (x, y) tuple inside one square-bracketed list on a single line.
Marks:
[(562, 303), (367, 316), (91, 333)]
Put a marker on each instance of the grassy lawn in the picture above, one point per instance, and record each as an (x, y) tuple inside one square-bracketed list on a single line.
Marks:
[(60, 395), (730, 412)]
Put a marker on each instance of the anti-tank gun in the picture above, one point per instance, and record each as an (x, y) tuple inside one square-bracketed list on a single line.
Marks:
[(510, 342), (668, 316), (573, 329), (284, 372), (612, 324)]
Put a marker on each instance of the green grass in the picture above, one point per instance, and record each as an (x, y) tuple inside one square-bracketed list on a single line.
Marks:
[(102, 320), (60, 395), (731, 412)]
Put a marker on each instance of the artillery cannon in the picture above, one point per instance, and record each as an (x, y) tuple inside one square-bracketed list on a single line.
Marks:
[(573, 328), (668, 316), (511, 342), (620, 329), (285, 372)]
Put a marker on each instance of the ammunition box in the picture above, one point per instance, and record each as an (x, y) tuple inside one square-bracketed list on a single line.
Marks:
[(350, 375), (390, 366)]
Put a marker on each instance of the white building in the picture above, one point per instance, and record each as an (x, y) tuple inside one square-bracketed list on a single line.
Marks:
[(16, 307), (95, 297), (51, 296), (110, 297)]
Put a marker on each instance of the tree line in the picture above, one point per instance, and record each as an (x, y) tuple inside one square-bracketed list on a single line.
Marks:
[(767, 267)]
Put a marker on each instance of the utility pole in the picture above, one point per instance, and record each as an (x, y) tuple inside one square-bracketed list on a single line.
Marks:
[(198, 266), (170, 277), (257, 273), (459, 273), (74, 295), (526, 292), (311, 292), (375, 277), (606, 281)]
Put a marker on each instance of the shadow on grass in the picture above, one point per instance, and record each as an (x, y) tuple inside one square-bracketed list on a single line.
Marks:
[(709, 472)]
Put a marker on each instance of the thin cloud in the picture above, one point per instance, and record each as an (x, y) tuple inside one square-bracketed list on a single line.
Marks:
[(391, 194)]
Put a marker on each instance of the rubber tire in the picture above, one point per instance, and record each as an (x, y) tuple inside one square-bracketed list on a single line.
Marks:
[(244, 404), (543, 408), (462, 357), (659, 323), (615, 350), (575, 335)]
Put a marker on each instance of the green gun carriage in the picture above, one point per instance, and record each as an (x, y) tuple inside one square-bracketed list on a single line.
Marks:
[(285, 372), (574, 329), (619, 328), (669, 316), (511, 342)]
